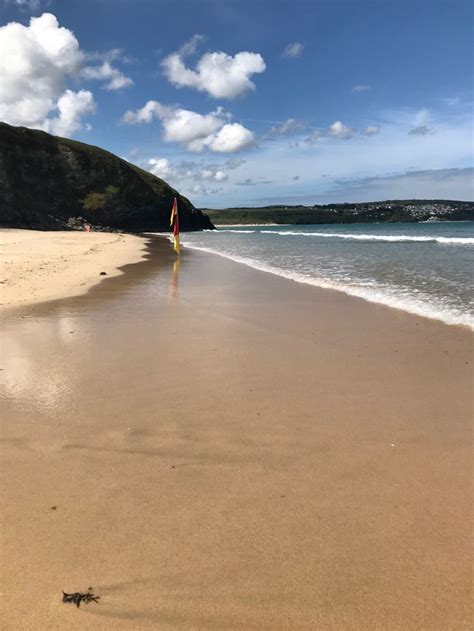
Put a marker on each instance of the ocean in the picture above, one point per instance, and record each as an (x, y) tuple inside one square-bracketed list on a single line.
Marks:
[(422, 268)]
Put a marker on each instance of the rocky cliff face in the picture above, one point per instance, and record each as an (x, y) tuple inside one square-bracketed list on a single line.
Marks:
[(46, 180)]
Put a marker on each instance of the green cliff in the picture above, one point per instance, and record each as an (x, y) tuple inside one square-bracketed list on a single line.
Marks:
[(46, 181)]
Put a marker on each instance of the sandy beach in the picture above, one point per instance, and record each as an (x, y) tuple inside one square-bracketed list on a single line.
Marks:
[(212, 447), (38, 266)]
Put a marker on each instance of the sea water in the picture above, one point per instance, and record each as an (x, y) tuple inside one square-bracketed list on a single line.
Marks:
[(423, 268)]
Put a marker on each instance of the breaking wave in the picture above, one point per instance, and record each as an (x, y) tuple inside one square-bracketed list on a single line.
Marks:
[(372, 237), (389, 297)]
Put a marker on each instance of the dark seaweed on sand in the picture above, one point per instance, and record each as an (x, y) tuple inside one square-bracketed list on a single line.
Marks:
[(81, 597)]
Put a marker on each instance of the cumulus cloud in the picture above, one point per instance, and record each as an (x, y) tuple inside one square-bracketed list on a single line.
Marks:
[(71, 106), (336, 130), (422, 130), (115, 80), (293, 50), (360, 88), (339, 130), (144, 114), (160, 167), (231, 138), (36, 62), (215, 176), (179, 125), (370, 130), (190, 127), (196, 131), (220, 75)]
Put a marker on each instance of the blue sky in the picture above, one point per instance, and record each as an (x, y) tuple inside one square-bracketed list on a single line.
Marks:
[(253, 103)]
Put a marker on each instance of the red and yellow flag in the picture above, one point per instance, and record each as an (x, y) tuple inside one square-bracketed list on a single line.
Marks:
[(174, 222)]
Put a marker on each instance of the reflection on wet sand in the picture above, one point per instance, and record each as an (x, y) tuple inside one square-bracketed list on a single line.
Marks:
[(175, 279), (38, 340)]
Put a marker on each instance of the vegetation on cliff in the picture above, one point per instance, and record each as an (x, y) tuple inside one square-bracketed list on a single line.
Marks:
[(45, 181)]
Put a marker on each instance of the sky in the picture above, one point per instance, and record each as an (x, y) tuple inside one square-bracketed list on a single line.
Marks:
[(253, 103)]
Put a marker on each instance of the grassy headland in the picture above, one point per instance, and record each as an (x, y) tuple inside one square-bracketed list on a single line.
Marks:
[(411, 210)]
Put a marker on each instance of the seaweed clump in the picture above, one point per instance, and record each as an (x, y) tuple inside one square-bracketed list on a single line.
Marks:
[(80, 597)]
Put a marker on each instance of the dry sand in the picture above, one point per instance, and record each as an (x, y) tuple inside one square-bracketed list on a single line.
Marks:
[(37, 266), (211, 447)]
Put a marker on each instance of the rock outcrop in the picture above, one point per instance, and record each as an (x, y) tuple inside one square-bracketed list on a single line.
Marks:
[(46, 182)]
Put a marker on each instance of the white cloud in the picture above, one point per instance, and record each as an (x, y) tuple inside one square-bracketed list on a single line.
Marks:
[(35, 61), (160, 167), (115, 79), (370, 130), (190, 47), (290, 125), (196, 131), (215, 176), (186, 126), (199, 189), (190, 171), (339, 130), (145, 114), (293, 50), (336, 130), (71, 106), (218, 74), (231, 138), (390, 151), (360, 88), (195, 178)]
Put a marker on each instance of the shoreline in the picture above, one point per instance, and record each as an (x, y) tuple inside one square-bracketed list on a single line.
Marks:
[(41, 266), (417, 311), (210, 446), (114, 251)]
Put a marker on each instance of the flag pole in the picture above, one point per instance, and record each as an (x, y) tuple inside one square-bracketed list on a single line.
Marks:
[(174, 223)]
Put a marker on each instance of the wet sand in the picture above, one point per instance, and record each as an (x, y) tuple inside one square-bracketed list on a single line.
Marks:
[(36, 266), (212, 447)]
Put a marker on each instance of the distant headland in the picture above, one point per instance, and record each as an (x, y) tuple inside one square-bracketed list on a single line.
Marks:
[(389, 211)]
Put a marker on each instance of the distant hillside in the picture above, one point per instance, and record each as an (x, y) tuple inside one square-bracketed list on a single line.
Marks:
[(45, 181), (411, 210)]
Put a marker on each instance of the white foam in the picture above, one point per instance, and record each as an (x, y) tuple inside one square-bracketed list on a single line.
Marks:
[(233, 231), (373, 293), (248, 225), (374, 237)]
